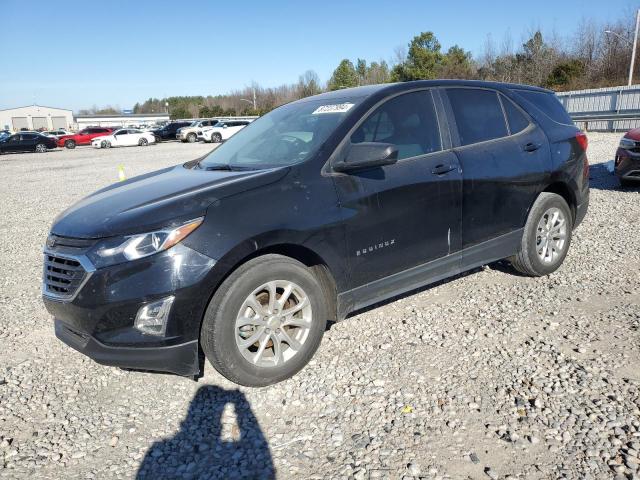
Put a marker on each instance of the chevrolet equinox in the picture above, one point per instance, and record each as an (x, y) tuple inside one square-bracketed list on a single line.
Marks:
[(320, 208)]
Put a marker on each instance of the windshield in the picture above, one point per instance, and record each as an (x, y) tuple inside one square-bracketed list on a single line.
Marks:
[(288, 135), (194, 124)]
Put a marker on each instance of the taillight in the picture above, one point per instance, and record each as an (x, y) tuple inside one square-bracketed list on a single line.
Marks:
[(583, 141)]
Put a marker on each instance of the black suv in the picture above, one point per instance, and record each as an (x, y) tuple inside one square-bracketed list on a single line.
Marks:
[(322, 207), (168, 132)]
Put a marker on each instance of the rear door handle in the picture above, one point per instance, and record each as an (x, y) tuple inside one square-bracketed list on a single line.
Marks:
[(442, 169), (531, 147)]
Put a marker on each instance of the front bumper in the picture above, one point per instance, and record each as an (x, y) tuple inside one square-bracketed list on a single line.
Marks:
[(98, 320), (181, 359), (627, 164)]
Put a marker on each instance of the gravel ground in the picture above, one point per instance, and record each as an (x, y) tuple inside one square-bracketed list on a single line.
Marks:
[(488, 375)]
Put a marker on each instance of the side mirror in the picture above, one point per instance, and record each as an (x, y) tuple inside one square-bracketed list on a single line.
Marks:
[(368, 155), (224, 126)]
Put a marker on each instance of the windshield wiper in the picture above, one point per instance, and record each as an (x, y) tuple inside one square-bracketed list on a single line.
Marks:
[(219, 166)]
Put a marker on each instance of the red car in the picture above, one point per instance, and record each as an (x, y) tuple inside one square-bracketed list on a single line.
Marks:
[(83, 137), (627, 162)]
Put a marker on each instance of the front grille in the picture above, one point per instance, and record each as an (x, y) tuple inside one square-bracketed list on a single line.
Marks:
[(79, 244), (62, 276)]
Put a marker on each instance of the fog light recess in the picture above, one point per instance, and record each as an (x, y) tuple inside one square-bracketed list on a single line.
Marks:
[(152, 317)]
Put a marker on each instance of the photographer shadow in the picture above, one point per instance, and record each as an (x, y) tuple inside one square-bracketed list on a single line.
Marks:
[(219, 438)]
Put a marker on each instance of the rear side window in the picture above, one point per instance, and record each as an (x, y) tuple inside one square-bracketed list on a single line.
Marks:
[(478, 114), (515, 118), (549, 104), (407, 121)]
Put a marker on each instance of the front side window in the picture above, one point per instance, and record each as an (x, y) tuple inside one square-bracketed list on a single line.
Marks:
[(478, 114), (285, 136), (407, 121)]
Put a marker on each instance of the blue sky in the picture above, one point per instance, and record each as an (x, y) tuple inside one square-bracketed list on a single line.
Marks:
[(74, 54)]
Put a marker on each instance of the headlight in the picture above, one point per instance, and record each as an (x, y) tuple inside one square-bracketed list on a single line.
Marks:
[(627, 143), (112, 251)]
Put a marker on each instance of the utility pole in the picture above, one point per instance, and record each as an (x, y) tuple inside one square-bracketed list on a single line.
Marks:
[(635, 44)]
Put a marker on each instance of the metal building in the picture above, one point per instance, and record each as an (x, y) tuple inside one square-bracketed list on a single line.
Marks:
[(120, 120), (35, 117)]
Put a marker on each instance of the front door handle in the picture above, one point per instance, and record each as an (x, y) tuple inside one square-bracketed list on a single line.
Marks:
[(531, 147), (442, 169)]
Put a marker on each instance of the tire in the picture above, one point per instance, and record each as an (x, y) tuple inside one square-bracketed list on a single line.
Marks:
[(220, 334), (191, 138), (143, 142), (41, 148), (528, 260), (216, 138), (158, 139), (106, 144), (103, 144), (70, 144)]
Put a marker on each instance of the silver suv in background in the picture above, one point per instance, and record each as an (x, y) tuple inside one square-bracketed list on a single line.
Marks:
[(190, 133)]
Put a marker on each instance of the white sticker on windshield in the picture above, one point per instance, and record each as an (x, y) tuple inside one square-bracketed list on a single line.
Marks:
[(336, 108)]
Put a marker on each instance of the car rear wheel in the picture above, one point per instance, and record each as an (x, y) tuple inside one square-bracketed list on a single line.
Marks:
[(41, 148), (546, 238), (70, 144), (216, 138), (265, 321), (191, 138), (143, 142)]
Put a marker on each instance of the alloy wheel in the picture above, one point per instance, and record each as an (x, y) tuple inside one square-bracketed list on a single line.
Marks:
[(40, 148), (551, 235), (273, 323)]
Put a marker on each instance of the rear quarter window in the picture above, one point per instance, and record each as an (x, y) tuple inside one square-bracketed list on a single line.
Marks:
[(548, 103)]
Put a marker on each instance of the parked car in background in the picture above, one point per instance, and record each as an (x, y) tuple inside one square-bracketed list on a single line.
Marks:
[(27, 142), (627, 160), (223, 131), (190, 133), (125, 137), (324, 206), (168, 132), (56, 133), (83, 137)]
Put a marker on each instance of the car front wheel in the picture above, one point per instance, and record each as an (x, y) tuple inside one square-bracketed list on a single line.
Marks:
[(265, 321), (41, 148), (546, 238), (70, 144), (216, 138)]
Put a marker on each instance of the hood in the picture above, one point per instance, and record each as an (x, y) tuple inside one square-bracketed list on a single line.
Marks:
[(155, 200), (633, 134)]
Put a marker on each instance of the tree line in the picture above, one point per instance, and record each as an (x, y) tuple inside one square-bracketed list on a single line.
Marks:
[(596, 55)]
